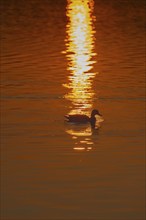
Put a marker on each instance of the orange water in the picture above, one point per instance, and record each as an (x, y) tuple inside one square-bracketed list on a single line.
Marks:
[(60, 57)]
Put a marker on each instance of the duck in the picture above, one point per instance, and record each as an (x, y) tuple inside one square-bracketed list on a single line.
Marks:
[(81, 119)]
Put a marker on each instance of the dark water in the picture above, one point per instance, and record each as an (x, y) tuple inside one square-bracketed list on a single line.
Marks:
[(52, 170)]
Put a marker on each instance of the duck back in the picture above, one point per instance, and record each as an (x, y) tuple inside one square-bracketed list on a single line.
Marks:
[(78, 118)]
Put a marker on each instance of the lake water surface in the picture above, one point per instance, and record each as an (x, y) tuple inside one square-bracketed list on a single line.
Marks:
[(60, 57)]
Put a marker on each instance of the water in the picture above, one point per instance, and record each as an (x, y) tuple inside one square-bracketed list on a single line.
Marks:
[(60, 57)]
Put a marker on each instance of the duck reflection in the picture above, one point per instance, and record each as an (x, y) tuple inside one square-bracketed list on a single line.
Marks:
[(83, 136), (81, 58)]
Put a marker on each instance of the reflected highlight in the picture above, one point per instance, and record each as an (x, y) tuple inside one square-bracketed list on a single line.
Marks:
[(80, 55)]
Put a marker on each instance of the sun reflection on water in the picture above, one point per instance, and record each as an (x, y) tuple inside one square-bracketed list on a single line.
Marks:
[(81, 58)]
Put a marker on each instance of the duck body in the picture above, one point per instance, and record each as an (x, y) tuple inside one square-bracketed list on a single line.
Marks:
[(77, 118), (81, 119)]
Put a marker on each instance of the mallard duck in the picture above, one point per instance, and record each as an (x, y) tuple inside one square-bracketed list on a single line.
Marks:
[(77, 118)]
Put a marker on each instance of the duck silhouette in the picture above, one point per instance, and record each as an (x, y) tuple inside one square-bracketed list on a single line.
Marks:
[(82, 119)]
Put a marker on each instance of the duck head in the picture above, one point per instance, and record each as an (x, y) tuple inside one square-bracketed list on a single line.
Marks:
[(95, 112)]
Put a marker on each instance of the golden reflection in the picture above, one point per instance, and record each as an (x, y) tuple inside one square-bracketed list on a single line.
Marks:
[(79, 148), (80, 55), (81, 58)]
